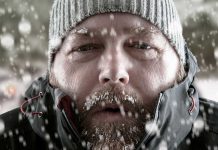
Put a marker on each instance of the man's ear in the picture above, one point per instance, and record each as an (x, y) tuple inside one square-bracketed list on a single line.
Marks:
[(52, 79)]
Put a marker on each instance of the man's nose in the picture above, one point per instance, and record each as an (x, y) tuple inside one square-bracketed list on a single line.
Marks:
[(114, 68)]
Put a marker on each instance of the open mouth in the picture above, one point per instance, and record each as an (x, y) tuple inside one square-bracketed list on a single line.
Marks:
[(112, 110), (109, 113)]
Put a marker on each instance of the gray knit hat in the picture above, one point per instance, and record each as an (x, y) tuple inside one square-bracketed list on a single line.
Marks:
[(66, 14)]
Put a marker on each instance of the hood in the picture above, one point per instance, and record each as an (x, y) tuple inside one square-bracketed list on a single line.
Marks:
[(175, 112)]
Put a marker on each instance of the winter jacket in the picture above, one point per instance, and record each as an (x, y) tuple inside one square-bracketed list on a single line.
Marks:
[(184, 121)]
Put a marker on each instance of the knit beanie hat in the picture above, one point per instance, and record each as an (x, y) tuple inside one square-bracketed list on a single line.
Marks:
[(66, 14)]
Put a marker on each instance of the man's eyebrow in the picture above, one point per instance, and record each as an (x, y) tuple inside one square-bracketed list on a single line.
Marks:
[(133, 30), (80, 31), (141, 30)]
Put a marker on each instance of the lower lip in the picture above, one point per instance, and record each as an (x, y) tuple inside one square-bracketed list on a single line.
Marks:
[(106, 116)]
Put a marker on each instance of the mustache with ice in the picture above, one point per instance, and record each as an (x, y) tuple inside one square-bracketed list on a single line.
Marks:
[(116, 99), (114, 134)]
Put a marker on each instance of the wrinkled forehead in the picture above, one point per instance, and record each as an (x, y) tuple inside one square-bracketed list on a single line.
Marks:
[(114, 22)]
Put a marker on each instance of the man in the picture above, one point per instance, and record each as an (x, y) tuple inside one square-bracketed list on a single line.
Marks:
[(120, 77)]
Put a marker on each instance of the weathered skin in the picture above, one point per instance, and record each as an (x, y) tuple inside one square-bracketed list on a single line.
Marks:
[(112, 59)]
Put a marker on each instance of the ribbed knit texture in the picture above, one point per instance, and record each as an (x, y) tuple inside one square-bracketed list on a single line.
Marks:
[(66, 14)]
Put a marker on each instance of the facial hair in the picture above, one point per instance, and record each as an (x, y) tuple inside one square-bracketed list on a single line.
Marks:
[(118, 135)]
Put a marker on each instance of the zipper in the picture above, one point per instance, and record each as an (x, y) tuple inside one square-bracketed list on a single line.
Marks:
[(150, 133), (70, 127)]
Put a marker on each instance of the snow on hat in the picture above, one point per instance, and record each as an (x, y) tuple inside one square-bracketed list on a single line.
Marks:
[(66, 14)]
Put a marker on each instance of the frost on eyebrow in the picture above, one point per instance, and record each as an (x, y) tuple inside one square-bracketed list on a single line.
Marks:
[(82, 31), (143, 30)]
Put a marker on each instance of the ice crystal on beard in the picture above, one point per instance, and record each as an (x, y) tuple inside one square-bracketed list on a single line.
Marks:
[(92, 100), (129, 114), (151, 127), (122, 111), (136, 115), (2, 126), (118, 133), (101, 137)]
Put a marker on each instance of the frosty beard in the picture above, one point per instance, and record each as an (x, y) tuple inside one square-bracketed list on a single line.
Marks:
[(119, 135)]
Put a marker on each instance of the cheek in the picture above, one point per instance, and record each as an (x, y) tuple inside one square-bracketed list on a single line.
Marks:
[(75, 79), (170, 65), (153, 77)]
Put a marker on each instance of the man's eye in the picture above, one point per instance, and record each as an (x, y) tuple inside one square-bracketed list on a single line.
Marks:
[(88, 47), (140, 45)]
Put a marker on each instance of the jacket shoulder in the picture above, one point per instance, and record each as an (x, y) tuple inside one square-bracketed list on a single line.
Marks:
[(12, 119), (209, 113), (204, 132), (16, 132)]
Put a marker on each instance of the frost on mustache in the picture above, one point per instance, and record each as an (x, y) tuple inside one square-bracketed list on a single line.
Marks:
[(94, 99)]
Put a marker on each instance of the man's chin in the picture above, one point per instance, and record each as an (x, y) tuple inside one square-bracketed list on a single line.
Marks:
[(123, 133)]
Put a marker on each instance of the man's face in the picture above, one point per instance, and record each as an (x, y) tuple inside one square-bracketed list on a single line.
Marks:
[(115, 65)]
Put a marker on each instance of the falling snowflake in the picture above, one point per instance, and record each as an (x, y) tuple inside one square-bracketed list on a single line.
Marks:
[(151, 127), (198, 126), (55, 43), (7, 41), (216, 53), (163, 146), (2, 126), (26, 78), (24, 26), (2, 11)]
